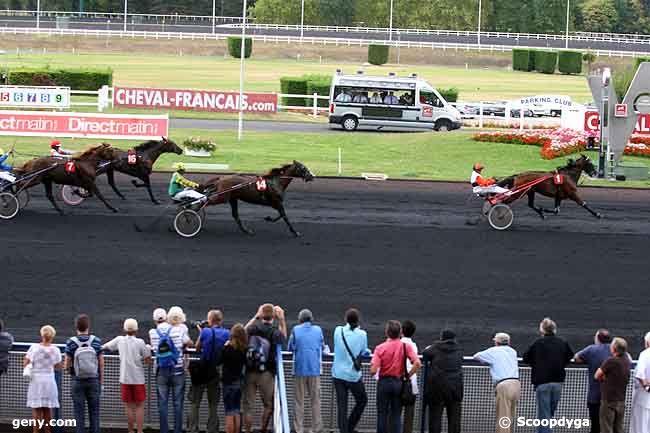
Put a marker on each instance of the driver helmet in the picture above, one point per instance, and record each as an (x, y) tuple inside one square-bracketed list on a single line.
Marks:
[(478, 166), (55, 144), (179, 166)]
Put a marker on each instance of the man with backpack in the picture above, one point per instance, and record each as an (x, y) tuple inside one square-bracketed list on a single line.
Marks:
[(85, 362), (168, 340), (263, 338), (204, 371)]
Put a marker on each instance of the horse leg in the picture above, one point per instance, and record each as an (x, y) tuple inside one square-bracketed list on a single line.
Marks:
[(110, 174), (234, 206), (573, 195), (92, 188), (273, 220), (147, 184), (283, 215), (48, 192), (531, 204)]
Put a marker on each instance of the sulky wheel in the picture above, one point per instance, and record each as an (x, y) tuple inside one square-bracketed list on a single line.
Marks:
[(23, 198), (187, 223), (73, 195), (9, 206), (500, 216)]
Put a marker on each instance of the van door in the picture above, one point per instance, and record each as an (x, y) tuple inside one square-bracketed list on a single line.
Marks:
[(430, 106)]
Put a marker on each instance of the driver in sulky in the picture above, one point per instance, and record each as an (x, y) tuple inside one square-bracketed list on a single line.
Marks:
[(482, 185)]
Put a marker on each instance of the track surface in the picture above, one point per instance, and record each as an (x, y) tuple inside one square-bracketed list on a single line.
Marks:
[(394, 249)]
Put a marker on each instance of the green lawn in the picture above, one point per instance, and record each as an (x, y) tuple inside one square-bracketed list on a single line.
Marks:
[(263, 75), (428, 155)]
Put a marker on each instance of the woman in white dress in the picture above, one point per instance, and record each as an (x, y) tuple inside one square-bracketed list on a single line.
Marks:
[(42, 394)]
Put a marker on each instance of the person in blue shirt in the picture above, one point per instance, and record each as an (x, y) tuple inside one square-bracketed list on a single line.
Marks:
[(307, 342), (347, 379), (594, 356), (504, 369), (5, 169)]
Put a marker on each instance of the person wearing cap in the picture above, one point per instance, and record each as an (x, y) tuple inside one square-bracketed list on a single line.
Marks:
[(5, 169), (182, 188), (134, 353), (594, 355), (482, 185), (504, 370), (443, 385), (307, 344), (56, 150)]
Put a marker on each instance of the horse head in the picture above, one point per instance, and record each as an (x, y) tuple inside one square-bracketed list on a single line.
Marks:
[(168, 146), (585, 164), (298, 169)]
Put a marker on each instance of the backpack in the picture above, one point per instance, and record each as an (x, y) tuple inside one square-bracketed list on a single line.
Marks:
[(258, 353), (86, 365), (167, 353)]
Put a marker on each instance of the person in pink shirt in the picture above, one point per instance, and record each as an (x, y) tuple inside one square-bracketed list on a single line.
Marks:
[(388, 362)]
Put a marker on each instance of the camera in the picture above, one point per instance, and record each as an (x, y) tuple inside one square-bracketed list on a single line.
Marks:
[(200, 323)]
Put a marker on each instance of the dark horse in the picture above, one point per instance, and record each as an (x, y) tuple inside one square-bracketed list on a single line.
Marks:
[(567, 189), (138, 162), (270, 192), (80, 170)]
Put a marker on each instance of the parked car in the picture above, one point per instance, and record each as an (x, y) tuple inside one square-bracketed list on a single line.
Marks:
[(516, 112)]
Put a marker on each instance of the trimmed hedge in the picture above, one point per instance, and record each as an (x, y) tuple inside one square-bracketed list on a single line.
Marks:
[(293, 86), (76, 79), (378, 54), (234, 47), (450, 95), (545, 61), (570, 62), (640, 60), (521, 60), (322, 88)]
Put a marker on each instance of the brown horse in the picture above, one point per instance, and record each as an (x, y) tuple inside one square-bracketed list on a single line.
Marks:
[(139, 162), (266, 190), (80, 170), (567, 189)]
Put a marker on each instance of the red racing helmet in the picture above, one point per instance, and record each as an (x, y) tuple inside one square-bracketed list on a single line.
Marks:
[(55, 143)]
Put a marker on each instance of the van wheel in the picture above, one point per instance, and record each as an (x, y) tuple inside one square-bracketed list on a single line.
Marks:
[(443, 125), (350, 123)]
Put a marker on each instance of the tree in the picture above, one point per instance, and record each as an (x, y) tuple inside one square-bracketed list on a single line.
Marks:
[(284, 11), (599, 16), (631, 15), (337, 12)]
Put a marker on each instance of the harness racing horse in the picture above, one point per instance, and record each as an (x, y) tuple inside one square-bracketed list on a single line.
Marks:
[(566, 188), (80, 170), (138, 162), (266, 190)]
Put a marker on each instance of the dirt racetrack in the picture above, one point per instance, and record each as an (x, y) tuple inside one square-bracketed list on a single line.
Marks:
[(393, 249)]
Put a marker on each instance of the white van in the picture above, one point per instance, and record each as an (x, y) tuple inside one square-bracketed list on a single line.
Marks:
[(403, 102)]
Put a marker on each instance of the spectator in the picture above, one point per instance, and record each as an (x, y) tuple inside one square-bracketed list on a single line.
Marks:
[(548, 356), (350, 343), (408, 330), (210, 344), (391, 99), (640, 420), (42, 394), (376, 99), (614, 376), (85, 362), (444, 382), (168, 340), (594, 356), (360, 98), (343, 97), (306, 343), (504, 369), (234, 361), (407, 99), (263, 338), (6, 341), (134, 353), (388, 363)]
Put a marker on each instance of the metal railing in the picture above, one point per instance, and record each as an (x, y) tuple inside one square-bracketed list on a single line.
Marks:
[(478, 404)]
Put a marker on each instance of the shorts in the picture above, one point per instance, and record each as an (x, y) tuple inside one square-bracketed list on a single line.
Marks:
[(133, 393), (265, 382), (232, 399)]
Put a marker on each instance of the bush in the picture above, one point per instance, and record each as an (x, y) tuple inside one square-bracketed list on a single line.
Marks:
[(545, 61), (76, 79), (234, 47), (322, 88), (570, 62), (450, 95), (378, 54), (521, 60), (622, 80), (293, 86), (640, 60), (198, 143)]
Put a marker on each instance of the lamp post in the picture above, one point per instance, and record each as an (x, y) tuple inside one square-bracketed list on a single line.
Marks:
[(38, 14), (390, 23), (126, 7), (478, 32), (302, 19), (240, 123), (567, 24), (214, 12)]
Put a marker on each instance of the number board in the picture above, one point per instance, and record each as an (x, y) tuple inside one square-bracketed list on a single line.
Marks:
[(34, 97)]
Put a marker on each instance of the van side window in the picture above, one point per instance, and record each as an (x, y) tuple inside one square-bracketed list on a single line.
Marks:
[(430, 98), (407, 98), (342, 95)]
